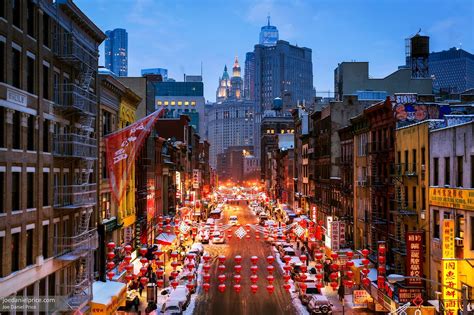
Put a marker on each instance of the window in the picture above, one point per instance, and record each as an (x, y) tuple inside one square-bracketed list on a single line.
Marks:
[(107, 121), (436, 223), (105, 173), (414, 161), (16, 68), (460, 173), (15, 251), (2, 194), (29, 246), (30, 74), (2, 14), (2, 239), (56, 91), (46, 29), (406, 161), (45, 189), (423, 198), (46, 82), (30, 141), (45, 240), (31, 19), (2, 60), (447, 171), (2, 127), (16, 12), (30, 190), (16, 191), (423, 156), (459, 226), (435, 172), (406, 196), (414, 197), (46, 136)]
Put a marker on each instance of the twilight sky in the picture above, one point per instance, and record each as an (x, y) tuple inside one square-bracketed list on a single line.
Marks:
[(180, 34)]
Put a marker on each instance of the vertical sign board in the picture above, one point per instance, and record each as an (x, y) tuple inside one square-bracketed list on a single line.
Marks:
[(414, 258), (450, 269), (342, 234), (335, 246), (327, 238), (196, 178)]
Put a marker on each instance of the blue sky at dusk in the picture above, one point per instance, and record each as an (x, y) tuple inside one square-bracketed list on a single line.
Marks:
[(179, 34)]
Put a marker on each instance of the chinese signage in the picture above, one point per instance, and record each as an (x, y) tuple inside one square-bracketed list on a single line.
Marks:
[(327, 239), (452, 198), (414, 258), (338, 230), (178, 184), (196, 178), (450, 269), (121, 150), (360, 298), (406, 295)]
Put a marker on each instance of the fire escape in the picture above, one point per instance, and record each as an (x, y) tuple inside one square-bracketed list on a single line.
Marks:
[(402, 173), (77, 146)]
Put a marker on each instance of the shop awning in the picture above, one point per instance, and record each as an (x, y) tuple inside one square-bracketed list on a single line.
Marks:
[(107, 297), (165, 238)]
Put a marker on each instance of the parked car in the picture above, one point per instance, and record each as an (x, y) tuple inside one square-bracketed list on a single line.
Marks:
[(183, 279), (172, 308), (287, 251), (177, 301), (218, 238), (311, 290), (319, 304), (197, 248), (233, 220), (204, 237)]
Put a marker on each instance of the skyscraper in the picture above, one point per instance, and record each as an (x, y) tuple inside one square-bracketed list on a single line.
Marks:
[(236, 83), (249, 76), (280, 70), (224, 86), (268, 34), (452, 70), (116, 51)]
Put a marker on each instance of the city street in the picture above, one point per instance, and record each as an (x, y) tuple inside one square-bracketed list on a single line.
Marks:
[(245, 302)]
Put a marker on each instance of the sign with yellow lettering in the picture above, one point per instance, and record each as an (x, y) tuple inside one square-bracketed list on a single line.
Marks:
[(450, 269), (452, 198)]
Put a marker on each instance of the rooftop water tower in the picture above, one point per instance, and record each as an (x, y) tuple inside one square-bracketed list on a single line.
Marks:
[(417, 52)]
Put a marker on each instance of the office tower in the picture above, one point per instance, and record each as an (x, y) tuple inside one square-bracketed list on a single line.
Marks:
[(249, 76), (268, 34), (156, 71), (116, 51)]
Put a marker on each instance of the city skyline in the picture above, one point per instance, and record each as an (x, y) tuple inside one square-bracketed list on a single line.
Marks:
[(334, 33)]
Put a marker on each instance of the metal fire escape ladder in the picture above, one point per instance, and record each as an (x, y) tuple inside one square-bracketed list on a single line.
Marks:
[(399, 213)]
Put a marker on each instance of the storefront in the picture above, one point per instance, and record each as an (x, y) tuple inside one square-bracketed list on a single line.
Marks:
[(107, 297)]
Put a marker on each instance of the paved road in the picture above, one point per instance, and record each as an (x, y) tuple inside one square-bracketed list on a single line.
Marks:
[(245, 302)]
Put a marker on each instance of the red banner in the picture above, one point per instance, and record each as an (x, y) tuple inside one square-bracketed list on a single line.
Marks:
[(121, 148)]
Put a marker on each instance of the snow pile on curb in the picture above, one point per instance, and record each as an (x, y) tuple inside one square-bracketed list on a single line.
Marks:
[(192, 304)]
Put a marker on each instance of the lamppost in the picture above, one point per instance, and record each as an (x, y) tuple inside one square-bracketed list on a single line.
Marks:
[(394, 278)]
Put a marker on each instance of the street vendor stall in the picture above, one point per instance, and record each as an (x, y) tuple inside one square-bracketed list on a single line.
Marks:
[(165, 239), (107, 297)]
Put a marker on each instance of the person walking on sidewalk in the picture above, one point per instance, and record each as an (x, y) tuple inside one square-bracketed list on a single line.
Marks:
[(340, 292)]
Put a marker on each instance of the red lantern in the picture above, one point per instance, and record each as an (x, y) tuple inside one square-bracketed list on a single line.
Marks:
[(349, 283), (303, 287), (254, 259), (254, 278), (110, 275), (128, 278), (160, 283), (174, 254), (334, 256), (257, 236), (365, 271), (350, 255), (365, 262), (254, 269), (129, 267), (229, 236), (365, 252), (270, 269), (237, 288), (143, 251), (366, 282), (247, 236), (221, 278), (189, 286), (381, 259), (286, 277), (206, 257), (238, 259), (287, 287), (334, 285), (237, 278), (110, 245), (160, 272), (270, 279), (190, 266), (270, 288), (221, 288), (303, 258), (349, 274), (334, 267), (159, 263), (221, 268), (270, 259), (237, 268), (110, 265), (206, 277), (190, 256), (303, 276), (382, 250), (174, 264), (110, 255), (221, 259), (143, 270), (128, 248), (303, 268), (318, 266), (143, 260), (174, 284), (206, 268), (287, 268), (380, 281), (333, 276), (174, 274), (206, 287), (319, 285), (127, 259), (381, 269), (143, 280), (286, 258), (349, 263), (254, 288)]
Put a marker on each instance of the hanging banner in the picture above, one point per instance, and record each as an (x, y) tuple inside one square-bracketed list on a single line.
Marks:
[(414, 258), (450, 269), (121, 148)]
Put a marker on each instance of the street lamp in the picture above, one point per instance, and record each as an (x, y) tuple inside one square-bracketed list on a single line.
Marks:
[(394, 278)]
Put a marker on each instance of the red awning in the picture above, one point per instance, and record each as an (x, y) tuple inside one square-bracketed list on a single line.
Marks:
[(165, 238)]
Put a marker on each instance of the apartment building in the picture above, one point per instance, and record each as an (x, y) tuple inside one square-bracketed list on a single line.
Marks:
[(48, 154)]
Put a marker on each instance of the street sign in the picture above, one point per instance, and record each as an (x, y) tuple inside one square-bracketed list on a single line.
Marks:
[(240, 233), (417, 301)]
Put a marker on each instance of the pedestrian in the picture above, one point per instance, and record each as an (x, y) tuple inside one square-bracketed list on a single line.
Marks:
[(297, 244), (307, 258), (340, 292), (140, 288)]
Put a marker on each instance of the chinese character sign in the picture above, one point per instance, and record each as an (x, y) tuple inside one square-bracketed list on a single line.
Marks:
[(450, 269), (335, 244), (121, 150), (414, 258), (196, 178)]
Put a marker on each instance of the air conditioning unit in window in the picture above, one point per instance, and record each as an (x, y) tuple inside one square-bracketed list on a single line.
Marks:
[(459, 242), (423, 167)]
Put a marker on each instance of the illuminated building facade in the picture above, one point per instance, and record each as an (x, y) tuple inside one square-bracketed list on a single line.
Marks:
[(116, 51)]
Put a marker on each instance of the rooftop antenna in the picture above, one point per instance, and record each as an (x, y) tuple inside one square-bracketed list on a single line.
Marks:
[(268, 18)]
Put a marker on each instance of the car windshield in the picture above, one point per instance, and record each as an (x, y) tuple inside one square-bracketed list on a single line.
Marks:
[(312, 291), (290, 253)]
